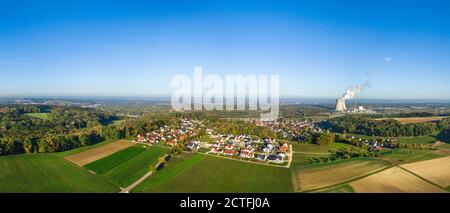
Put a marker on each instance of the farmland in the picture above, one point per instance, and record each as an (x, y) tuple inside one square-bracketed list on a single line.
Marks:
[(405, 155), (393, 180), (48, 173), (312, 177), (107, 163), (100, 152), (129, 171), (436, 170), (411, 120), (212, 174)]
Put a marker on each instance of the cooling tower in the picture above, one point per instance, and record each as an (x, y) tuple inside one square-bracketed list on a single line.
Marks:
[(340, 105)]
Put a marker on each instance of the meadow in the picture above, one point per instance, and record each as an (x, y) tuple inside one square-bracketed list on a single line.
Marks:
[(43, 115), (48, 173), (211, 174), (405, 155)]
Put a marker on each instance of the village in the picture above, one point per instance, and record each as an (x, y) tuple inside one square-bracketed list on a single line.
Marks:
[(243, 147), (293, 130)]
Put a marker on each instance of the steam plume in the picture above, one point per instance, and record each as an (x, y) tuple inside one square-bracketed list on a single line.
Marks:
[(353, 91)]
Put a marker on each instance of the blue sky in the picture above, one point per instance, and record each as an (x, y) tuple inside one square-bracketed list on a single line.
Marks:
[(133, 48)]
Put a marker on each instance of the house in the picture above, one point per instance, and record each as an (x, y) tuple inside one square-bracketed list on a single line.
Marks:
[(284, 148), (229, 146), (193, 146), (261, 157), (171, 143), (141, 138), (229, 152), (275, 159), (216, 150), (152, 140), (246, 153), (267, 148)]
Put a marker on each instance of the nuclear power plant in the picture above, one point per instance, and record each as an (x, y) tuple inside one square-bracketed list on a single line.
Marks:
[(340, 105)]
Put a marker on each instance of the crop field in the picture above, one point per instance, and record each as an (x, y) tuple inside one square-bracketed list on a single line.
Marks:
[(97, 153), (415, 119), (436, 170), (109, 162), (393, 180), (48, 173), (131, 170), (343, 188), (328, 174), (43, 116), (173, 168), (211, 174)]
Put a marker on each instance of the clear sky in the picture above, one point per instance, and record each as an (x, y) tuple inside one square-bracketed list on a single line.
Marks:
[(133, 48)]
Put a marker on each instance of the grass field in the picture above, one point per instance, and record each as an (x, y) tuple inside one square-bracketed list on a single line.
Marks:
[(393, 180), (317, 176), (316, 149), (173, 168), (38, 115), (211, 174), (48, 173), (417, 140), (131, 170), (304, 153), (404, 155), (107, 163), (302, 158)]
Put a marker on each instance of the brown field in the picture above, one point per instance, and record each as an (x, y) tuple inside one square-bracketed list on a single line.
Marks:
[(436, 170), (414, 119), (320, 177), (92, 155), (393, 180)]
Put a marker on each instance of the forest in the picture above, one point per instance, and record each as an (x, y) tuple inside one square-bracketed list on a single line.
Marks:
[(363, 125)]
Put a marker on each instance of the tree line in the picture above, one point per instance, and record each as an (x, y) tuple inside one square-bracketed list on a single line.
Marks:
[(363, 125)]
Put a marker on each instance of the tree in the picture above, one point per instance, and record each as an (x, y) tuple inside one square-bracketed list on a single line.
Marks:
[(28, 145), (323, 139)]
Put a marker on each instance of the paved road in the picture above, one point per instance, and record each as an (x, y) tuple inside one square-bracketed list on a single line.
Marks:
[(130, 187)]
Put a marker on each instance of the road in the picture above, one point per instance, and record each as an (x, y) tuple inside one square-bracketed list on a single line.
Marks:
[(133, 185)]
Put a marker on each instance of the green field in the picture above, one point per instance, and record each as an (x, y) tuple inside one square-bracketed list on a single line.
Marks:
[(302, 158), (211, 174), (313, 148), (48, 173), (408, 155), (133, 169), (38, 115), (107, 163), (417, 140)]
